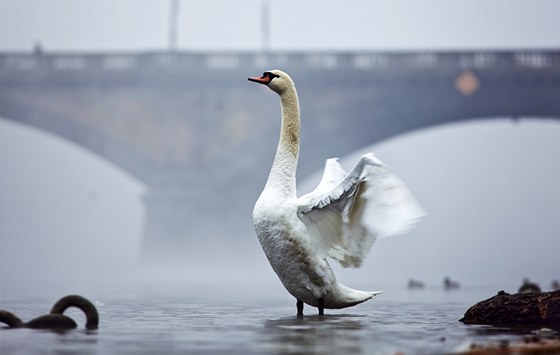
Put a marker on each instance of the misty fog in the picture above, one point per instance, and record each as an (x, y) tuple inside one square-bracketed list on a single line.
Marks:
[(71, 222)]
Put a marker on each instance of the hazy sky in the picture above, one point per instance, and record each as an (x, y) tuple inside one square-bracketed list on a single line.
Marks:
[(491, 189), (294, 24)]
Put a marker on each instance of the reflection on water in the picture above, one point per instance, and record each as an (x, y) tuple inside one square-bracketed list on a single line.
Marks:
[(340, 334), (410, 322)]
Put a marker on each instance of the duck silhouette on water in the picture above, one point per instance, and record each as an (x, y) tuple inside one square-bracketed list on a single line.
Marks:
[(529, 287), (449, 284), (56, 319)]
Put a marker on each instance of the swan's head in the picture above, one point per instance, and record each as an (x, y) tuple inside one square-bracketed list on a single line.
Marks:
[(276, 80)]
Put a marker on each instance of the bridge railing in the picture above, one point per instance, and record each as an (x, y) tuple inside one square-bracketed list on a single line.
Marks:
[(11, 63)]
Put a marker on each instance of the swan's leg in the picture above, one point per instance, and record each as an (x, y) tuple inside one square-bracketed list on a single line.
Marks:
[(299, 305), (321, 307)]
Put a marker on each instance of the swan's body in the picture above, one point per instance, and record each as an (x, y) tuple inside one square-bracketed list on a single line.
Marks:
[(56, 319), (340, 219)]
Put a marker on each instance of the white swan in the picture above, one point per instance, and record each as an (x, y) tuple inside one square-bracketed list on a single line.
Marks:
[(340, 219)]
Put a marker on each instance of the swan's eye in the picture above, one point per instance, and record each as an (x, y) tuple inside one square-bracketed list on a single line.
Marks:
[(270, 75)]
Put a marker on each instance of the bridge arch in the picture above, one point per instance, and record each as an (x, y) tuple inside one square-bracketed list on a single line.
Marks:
[(63, 205), (491, 197), (350, 156), (179, 122), (75, 135)]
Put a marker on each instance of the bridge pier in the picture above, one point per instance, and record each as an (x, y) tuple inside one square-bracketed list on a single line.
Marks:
[(190, 127), (187, 223)]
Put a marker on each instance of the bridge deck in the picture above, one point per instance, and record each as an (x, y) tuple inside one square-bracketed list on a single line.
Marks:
[(190, 125)]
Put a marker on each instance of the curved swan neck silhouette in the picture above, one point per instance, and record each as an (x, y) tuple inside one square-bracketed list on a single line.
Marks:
[(10, 319), (92, 317), (56, 320)]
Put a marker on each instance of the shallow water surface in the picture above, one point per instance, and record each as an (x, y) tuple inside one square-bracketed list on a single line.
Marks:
[(417, 322)]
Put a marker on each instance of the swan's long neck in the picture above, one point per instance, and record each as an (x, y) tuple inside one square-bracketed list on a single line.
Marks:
[(282, 178)]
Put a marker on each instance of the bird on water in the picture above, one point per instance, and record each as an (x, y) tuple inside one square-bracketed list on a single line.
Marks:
[(340, 219)]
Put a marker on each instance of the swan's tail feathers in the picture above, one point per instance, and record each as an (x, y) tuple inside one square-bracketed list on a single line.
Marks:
[(351, 297)]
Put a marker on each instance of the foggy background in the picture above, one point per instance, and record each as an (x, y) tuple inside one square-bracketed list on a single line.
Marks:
[(71, 222)]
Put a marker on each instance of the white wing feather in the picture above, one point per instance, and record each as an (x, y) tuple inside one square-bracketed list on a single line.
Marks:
[(347, 212), (332, 176)]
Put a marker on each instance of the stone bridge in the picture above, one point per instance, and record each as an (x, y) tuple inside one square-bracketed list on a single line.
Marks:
[(202, 139)]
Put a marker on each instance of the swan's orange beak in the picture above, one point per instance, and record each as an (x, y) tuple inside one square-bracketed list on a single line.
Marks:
[(265, 79)]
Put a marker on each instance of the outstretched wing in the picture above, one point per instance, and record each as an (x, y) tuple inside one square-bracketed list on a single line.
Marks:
[(346, 213)]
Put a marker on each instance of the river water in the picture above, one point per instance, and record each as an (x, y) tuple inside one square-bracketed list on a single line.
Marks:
[(407, 321)]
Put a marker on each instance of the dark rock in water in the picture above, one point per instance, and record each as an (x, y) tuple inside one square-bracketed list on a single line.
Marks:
[(522, 308)]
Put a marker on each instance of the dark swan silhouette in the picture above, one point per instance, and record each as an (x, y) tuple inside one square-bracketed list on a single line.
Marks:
[(56, 319)]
